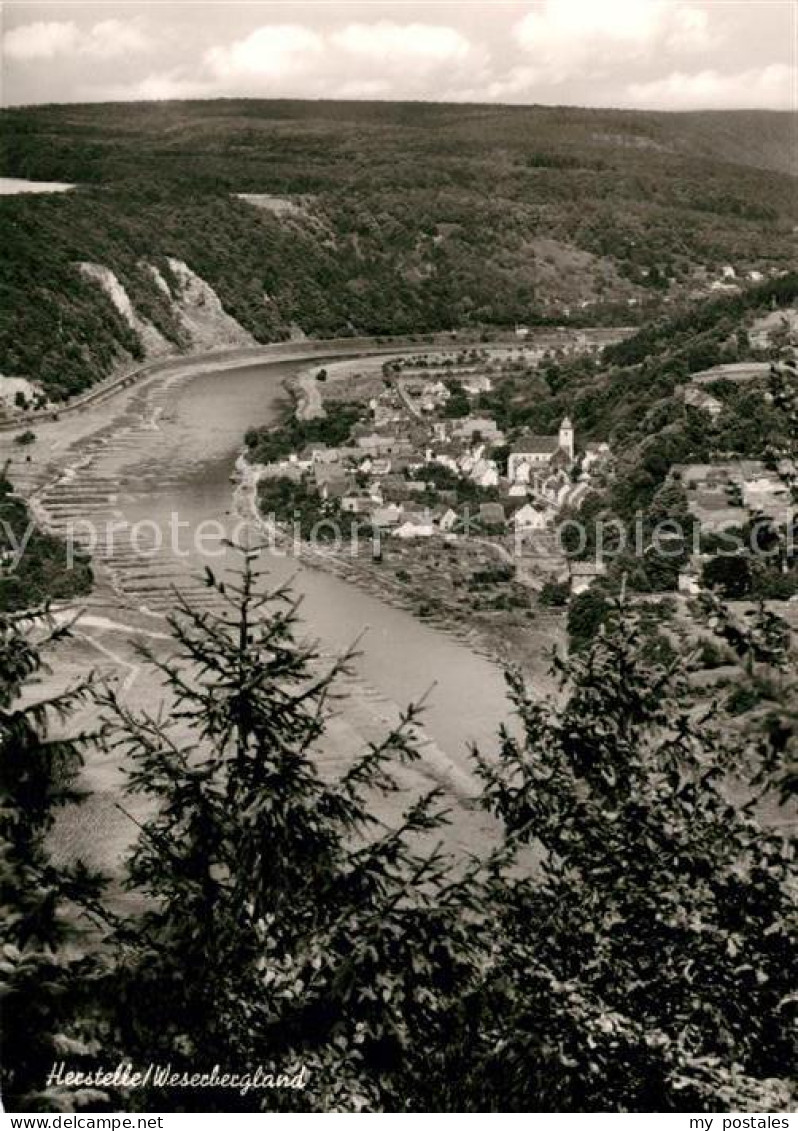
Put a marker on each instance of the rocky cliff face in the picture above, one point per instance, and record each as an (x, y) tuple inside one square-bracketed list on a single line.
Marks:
[(201, 314), (203, 322), (152, 341)]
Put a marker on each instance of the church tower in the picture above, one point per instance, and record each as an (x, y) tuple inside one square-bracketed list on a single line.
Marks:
[(567, 437)]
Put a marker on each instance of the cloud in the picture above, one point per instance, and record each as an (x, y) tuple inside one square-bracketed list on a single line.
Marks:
[(586, 52), (171, 85), (359, 60), (389, 42), (518, 81), (567, 37), (107, 39), (271, 52), (770, 87), (40, 40), (363, 88), (112, 38), (689, 31)]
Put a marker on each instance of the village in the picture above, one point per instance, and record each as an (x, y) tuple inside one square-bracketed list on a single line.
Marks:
[(726, 495), (418, 494), (424, 466)]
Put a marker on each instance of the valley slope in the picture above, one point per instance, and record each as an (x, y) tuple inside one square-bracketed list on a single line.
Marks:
[(235, 220)]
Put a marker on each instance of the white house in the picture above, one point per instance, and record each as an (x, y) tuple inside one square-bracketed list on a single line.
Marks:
[(583, 574), (530, 517), (689, 581), (388, 515), (485, 473), (433, 395), (415, 527), (302, 460), (445, 459), (374, 442), (477, 383)]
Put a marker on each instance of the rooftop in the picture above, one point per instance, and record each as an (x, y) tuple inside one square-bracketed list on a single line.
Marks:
[(530, 444)]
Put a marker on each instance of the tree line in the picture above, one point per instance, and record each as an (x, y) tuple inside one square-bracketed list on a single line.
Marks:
[(626, 945)]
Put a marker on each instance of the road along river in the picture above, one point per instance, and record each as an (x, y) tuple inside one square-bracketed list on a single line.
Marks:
[(158, 457)]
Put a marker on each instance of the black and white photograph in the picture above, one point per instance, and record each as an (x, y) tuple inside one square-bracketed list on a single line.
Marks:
[(399, 561)]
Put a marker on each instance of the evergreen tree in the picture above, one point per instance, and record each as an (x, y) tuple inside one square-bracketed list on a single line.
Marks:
[(47, 979), (283, 924), (648, 964), (629, 946)]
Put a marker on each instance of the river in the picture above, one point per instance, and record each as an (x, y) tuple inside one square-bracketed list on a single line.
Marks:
[(200, 434), (162, 453)]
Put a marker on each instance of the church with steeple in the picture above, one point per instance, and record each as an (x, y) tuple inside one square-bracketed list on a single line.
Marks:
[(532, 453)]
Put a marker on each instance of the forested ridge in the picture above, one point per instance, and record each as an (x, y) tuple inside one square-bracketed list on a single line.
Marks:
[(392, 218)]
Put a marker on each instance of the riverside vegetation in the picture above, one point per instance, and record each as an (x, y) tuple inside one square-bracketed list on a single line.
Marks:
[(644, 965), (34, 565)]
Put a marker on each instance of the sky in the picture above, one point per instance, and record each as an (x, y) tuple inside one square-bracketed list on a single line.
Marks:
[(647, 54)]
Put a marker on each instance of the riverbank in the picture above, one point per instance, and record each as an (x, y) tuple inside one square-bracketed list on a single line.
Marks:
[(128, 375), (65, 444), (164, 448), (440, 580), (507, 640)]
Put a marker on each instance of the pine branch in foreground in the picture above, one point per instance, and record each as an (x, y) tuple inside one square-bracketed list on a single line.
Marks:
[(284, 925), (48, 978)]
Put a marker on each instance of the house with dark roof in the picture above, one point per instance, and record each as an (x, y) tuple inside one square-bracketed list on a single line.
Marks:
[(332, 482), (478, 427), (595, 454), (492, 514), (696, 397), (415, 524), (359, 503), (583, 574)]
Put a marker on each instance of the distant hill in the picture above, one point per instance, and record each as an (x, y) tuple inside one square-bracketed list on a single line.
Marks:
[(368, 217), (238, 140)]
